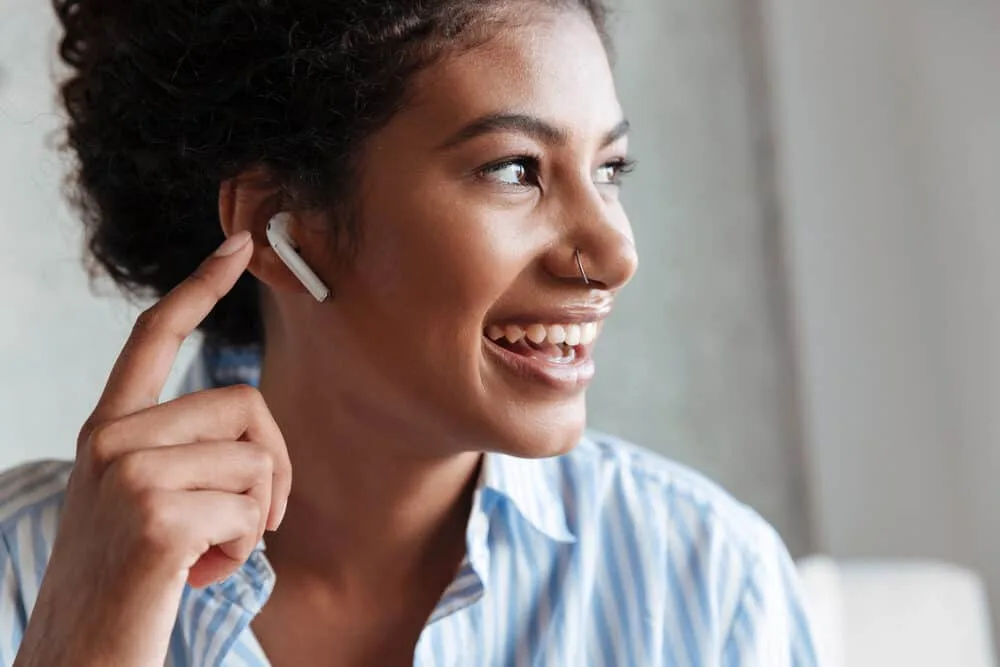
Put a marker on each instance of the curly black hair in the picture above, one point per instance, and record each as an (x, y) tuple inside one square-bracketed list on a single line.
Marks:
[(169, 98)]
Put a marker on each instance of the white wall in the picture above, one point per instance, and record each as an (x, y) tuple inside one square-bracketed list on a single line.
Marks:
[(57, 338), (888, 117)]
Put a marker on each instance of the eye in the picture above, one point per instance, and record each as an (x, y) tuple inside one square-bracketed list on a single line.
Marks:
[(520, 172), (611, 173)]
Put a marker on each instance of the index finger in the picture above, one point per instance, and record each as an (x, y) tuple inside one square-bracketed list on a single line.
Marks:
[(142, 368)]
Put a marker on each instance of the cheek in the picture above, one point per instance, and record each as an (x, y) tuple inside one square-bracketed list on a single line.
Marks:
[(434, 268), (450, 259)]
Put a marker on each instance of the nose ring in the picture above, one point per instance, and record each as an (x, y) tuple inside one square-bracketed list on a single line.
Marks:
[(579, 265)]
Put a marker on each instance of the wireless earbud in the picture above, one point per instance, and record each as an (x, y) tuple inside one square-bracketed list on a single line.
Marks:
[(284, 247)]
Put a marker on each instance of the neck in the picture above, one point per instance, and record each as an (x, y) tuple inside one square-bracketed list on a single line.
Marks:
[(365, 508)]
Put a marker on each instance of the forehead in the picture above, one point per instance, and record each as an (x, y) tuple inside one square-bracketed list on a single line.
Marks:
[(552, 65)]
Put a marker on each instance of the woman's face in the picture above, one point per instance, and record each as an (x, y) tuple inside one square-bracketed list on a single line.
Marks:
[(473, 202)]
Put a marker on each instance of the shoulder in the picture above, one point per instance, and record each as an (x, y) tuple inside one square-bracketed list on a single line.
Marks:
[(29, 489), (689, 530), (709, 559), (625, 493), (31, 501), (632, 479)]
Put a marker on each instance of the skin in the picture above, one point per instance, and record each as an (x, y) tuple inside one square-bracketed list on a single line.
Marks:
[(387, 395)]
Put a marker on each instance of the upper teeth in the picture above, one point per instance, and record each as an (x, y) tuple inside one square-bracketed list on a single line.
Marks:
[(571, 334)]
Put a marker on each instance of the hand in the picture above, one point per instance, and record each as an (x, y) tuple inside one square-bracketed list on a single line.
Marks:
[(160, 494)]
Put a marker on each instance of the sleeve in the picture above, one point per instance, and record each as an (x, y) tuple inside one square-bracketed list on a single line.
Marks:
[(12, 616), (770, 627)]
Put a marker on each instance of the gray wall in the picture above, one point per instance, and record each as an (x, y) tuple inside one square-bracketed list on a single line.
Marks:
[(697, 362), (890, 156)]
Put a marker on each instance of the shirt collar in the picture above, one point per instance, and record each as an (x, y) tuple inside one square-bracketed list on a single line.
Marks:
[(534, 490)]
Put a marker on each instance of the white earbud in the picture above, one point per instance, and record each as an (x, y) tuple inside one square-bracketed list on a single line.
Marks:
[(284, 247)]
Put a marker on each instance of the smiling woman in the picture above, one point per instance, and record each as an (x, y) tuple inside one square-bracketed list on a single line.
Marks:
[(451, 171)]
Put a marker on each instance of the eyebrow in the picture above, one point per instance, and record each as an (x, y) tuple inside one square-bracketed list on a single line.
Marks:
[(526, 124)]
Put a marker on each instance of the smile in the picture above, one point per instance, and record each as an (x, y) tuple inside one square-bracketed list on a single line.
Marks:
[(555, 355)]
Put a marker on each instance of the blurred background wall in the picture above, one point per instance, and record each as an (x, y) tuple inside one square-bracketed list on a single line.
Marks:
[(889, 152), (813, 323)]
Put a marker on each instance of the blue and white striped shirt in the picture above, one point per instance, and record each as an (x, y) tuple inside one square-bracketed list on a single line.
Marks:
[(608, 555)]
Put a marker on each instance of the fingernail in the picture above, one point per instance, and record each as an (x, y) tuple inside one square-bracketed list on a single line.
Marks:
[(233, 244)]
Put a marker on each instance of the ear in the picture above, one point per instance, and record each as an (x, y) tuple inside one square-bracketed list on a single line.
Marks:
[(246, 203)]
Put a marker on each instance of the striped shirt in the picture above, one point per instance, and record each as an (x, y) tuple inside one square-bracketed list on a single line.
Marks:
[(608, 555)]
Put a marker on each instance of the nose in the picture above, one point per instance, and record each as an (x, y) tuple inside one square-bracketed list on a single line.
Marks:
[(597, 247)]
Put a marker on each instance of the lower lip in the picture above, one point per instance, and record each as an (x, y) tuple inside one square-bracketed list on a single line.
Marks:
[(566, 377)]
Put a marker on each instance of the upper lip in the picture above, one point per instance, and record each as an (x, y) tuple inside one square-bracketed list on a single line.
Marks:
[(579, 312)]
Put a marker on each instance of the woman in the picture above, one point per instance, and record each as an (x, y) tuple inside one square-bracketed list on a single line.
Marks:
[(451, 170)]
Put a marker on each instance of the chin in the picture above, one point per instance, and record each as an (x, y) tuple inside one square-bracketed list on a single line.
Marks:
[(542, 433)]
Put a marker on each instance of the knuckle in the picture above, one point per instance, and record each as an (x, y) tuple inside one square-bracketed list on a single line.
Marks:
[(102, 444), (260, 460), (249, 401), (253, 515), (280, 461), (284, 459), (157, 525), (149, 320), (247, 395), (250, 516), (86, 431), (130, 472)]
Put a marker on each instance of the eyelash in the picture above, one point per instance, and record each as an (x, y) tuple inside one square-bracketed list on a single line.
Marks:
[(623, 167), (531, 164)]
